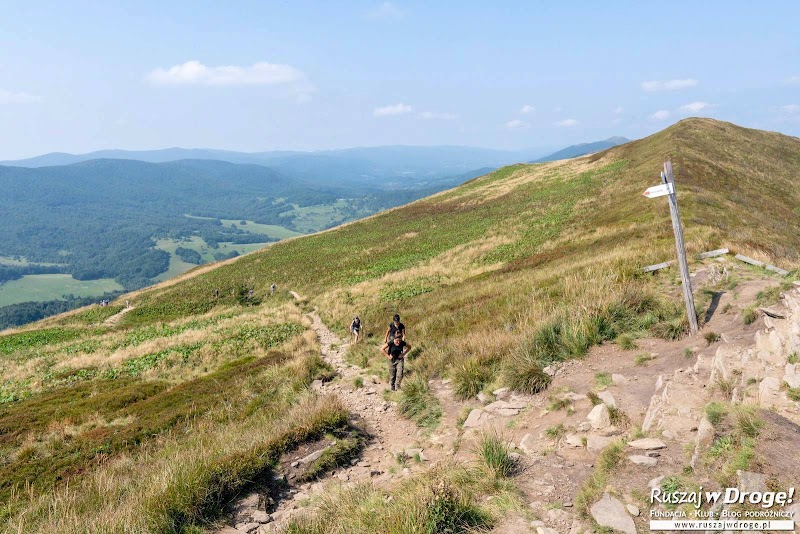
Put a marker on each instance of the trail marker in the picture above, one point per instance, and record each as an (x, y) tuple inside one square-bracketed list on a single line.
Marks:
[(658, 191), (668, 188)]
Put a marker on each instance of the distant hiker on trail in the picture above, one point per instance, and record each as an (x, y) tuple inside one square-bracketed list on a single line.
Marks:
[(355, 329), (395, 352), (394, 327), (216, 293), (127, 304), (272, 289)]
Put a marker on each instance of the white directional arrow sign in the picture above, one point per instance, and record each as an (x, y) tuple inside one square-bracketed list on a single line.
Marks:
[(658, 191)]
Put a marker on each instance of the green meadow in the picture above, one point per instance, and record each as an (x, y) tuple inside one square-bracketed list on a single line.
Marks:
[(43, 287)]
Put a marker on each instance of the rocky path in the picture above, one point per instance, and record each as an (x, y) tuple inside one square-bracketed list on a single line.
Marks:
[(389, 435)]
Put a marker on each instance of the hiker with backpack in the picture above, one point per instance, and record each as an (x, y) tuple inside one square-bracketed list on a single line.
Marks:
[(395, 352)]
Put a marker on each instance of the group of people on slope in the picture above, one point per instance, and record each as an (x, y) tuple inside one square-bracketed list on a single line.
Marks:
[(394, 347)]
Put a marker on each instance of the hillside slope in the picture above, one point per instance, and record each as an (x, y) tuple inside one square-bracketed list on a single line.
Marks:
[(539, 226), (497, 280)]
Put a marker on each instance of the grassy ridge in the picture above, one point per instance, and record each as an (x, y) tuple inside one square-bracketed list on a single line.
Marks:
[(516, 270)]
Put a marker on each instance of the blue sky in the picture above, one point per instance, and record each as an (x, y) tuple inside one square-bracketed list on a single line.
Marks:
[(80, 76)]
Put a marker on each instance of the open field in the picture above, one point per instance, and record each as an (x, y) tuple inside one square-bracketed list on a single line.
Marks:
[(177, 266), (269, 230), (22, 262), (43, 287)]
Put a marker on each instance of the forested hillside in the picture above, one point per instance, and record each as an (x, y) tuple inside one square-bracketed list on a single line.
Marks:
[(100, 218)]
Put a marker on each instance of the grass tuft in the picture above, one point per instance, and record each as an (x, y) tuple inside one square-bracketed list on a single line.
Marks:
[(418, 403), (524, 373), (627, 342), (748, 422), (494, 454), (603, 380), (711, 337), (471, 376), (716, 412)]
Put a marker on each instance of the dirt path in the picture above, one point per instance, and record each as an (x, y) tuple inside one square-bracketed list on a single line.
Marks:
[(114, 319), (389, 435)]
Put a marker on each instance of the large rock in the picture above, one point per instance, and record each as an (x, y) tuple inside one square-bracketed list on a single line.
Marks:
[(500, 405), (647, 444), (619, 380), (610, 512), (646, 461), (528, 444), (749, 481), (705, 433), (313, 456), (768, 389), (703, 439), (596, 443), (260, 516), (791, 376), (502, 393), (599, 417), (573, 440), (607, 398), (476, 418)]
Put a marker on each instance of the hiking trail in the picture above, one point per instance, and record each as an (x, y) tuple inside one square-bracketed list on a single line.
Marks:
[(114, 319), (389, 436)]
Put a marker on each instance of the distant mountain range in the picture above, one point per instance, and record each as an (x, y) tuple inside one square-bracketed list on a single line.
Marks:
[(582, 149), (384, 167), (364, 165)]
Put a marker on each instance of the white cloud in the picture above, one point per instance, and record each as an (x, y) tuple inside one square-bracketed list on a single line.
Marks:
[(618, 110), (567, 123), (516, 124), (386, 11), (195, 73), (438, 115), (660, 115), (694, 107), (616, 121), (668, 85), (793, 80), (790, 109), (10, 97), (527, 108), (393, 109)]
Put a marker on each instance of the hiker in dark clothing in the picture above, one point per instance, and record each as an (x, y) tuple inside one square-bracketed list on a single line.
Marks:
[(395, 352), (394, 327), (355, 328)]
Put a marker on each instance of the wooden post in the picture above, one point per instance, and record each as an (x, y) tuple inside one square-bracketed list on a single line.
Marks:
[(686, 282)]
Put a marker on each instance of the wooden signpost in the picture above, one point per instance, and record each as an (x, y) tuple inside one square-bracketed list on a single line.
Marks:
[(667, 188)]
